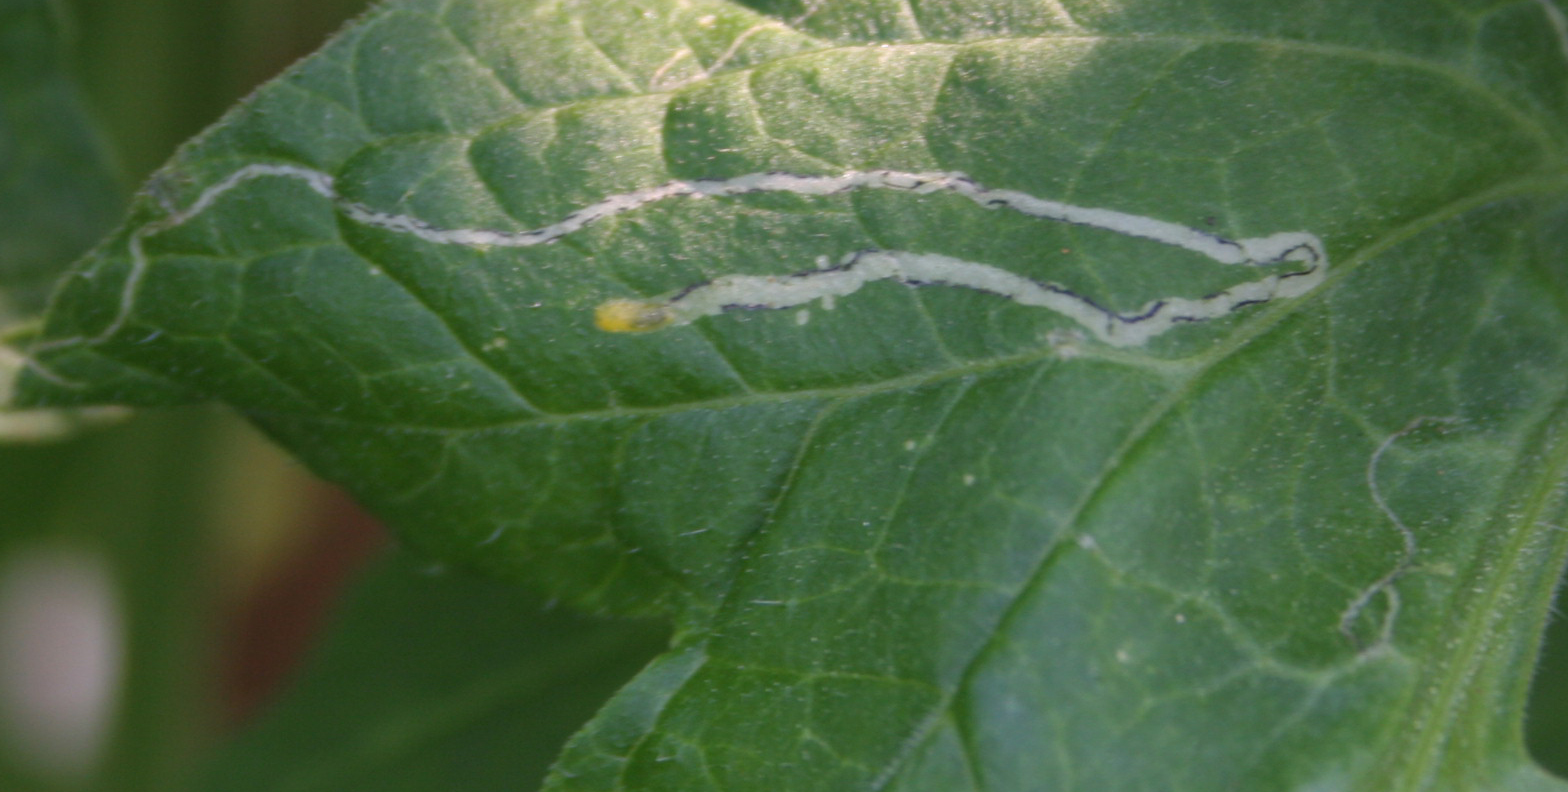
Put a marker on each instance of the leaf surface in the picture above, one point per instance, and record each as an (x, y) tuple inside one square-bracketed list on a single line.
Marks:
[(921, 538)]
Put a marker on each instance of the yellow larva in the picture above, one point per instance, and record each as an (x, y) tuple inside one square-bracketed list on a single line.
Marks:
[(632, 316)]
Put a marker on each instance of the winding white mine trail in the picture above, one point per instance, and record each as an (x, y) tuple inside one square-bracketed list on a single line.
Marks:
[(734, 292)]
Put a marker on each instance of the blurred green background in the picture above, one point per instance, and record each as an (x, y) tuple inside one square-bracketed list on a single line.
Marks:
[(189, 516), (199, 523)]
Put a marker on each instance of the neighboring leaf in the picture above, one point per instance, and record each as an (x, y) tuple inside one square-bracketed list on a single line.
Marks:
[(57, 191), (931, 539), (434, 680)]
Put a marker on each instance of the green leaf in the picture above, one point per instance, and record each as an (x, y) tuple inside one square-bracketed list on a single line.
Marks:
[(435, 680), (933, 538)]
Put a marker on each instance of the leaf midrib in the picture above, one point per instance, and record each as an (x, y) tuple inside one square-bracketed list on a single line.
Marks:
[(1432, 715)]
